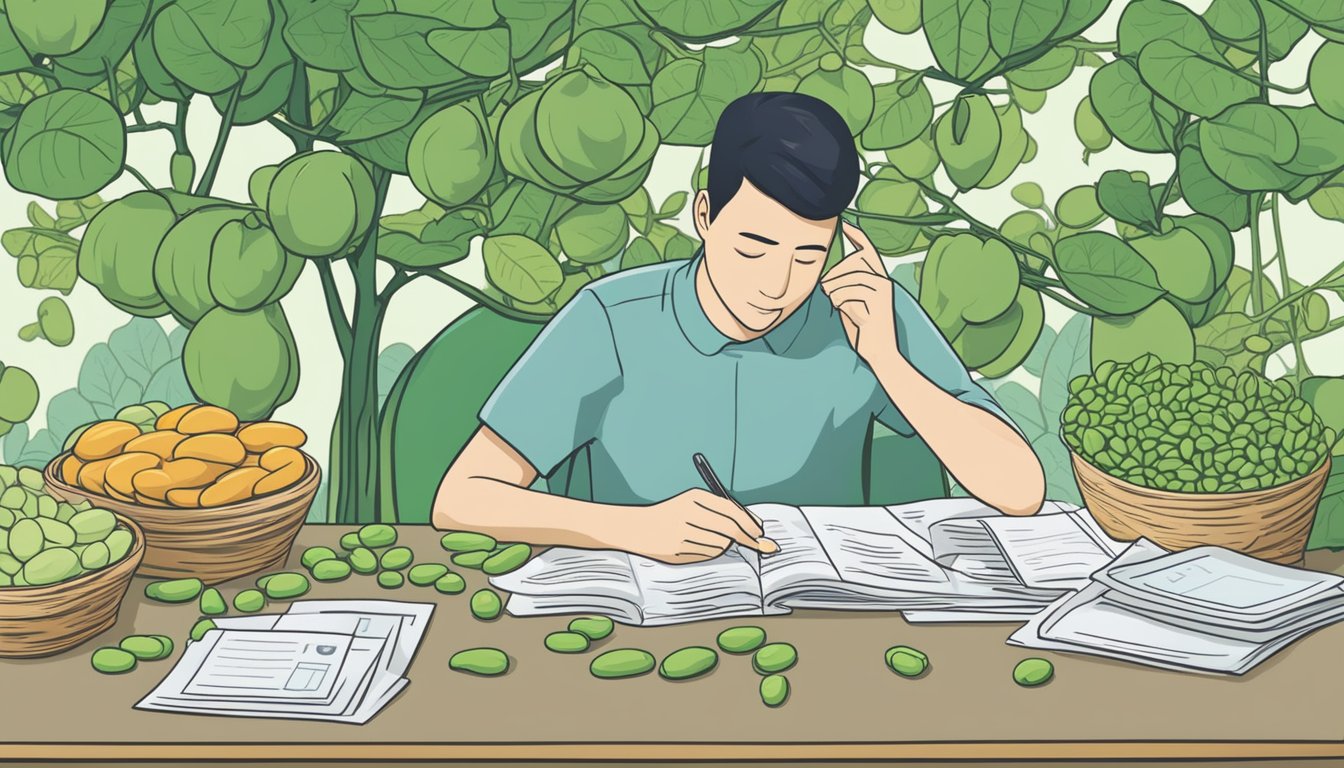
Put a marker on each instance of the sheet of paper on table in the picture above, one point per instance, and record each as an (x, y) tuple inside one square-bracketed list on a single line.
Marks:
[(337, 660), (1206, 609)]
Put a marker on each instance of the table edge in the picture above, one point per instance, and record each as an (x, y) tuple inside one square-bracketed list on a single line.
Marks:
[(663, 751)]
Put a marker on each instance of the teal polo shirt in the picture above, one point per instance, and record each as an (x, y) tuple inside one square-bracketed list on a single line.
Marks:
[(632, 368)]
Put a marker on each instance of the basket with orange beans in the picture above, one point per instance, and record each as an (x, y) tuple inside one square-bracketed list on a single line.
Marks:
[(217, 498)]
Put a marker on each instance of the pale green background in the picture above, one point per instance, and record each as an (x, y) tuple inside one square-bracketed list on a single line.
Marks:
[(421, 309)]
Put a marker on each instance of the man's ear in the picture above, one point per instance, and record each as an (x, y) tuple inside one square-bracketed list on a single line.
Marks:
[(700, 213)]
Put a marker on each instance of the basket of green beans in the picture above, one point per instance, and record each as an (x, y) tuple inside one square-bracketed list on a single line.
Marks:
[(1190, 455)]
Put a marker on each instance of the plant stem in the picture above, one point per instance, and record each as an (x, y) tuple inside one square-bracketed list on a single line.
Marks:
[(1088, 45), (155, 126), (138, 176), (1301, 368), (668, 44), (481, 297), (335, 309), (222, 138), (1264, 53), (180, 127), (1257, 300)]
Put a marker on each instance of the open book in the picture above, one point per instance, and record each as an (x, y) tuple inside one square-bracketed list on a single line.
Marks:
[(942, 555)]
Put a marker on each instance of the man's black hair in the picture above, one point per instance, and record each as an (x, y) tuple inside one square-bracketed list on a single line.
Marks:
[(793, 147)]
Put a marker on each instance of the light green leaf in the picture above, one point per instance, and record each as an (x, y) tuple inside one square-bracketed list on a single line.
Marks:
[(901, 16), (1183, 264), (1207, 193), (591, 234), (1079, 15), (673, 204), (141, 348), (1013, 146), (1069, 357), (611, 53), (1320, 141), (1327, 86), (900, 115), (1246, 145), (968, 158), (1107, 273), (958, 34), (1078, 207), (520, 267), (109, 42), (1328, 202), (1326, 13), (1044, 73), (848, 90), (66, 144), (394, 50), (893, 198), (1197, 83), (182, 48), (1145, 21), (1160, 329), (639, 253), (1130, 110), (1018, 25), (689, 94), (319, 31), (362, 116), (1126, 199), (705, 19), (234, 29), (1238, 22), (480, 52)]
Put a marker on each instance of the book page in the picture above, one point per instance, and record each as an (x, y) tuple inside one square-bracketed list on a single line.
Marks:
[(800, 559), (1055, 551), (575, 574), (724, 586), (868, 546)]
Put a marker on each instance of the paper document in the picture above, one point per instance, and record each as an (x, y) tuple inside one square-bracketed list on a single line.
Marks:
[(1204, 609), (338, 660)]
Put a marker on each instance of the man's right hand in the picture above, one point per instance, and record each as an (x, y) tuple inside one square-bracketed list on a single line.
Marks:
[(690, 527)]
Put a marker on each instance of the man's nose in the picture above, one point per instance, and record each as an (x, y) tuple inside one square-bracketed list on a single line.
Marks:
[(775, 284)]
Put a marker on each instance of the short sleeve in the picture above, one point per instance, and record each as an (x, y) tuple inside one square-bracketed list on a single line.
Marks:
[(552, 400), (925, 347)]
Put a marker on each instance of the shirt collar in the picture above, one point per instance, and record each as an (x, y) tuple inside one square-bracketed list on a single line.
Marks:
[(701, 333)]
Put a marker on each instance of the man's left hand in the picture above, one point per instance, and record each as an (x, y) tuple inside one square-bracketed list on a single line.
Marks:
[(860, 289)]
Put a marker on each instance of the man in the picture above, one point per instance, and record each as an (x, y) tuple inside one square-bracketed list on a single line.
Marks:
[(742, 353)]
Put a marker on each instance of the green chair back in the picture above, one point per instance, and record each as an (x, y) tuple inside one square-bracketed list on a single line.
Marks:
[(431, 413)]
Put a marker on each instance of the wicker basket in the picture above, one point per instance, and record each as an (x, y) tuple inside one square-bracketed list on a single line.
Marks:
[(1271, 524), (214, 544), (42, 621)]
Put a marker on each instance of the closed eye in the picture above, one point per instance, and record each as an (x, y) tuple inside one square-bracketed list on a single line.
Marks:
[(749, 255), (801, 261)]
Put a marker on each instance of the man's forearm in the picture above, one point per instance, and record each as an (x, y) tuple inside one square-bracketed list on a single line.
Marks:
[(510, 513), (996, 466)]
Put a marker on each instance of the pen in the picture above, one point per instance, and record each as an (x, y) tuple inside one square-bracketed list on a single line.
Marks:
[(716, 487)]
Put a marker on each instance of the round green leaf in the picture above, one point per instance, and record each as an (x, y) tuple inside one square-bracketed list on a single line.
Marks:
[(612, 54), (1044, 73), (1089, 128), (1245, 145), (18, 395), (897, 15), (1012, 146), (1160, 329), (967, 280), (1106, 272), (1325, 80), (520, 267), (1078, 208), (591, 234), (1320, 141), (967, 137), (479, 52), (893, 198), (848, 90), (1184, 266), (1216, 239), (1130, 110), (1028, 332), (54, 28), (1208, 194), (917, 159), (704, 18), (1195, 81), (958, 34), (1018, 25), (66, 144), (1029, 194), (900, 115), (689, 94), (638, 253)]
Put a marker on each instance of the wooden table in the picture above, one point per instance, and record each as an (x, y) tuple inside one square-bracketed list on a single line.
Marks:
[(845, 704)]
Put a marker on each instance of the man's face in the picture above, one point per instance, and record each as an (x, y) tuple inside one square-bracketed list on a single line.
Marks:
[(763, 259)]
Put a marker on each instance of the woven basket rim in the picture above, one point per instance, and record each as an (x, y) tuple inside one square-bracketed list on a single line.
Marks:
[(310, 470), (1323, 469), (136, 553)]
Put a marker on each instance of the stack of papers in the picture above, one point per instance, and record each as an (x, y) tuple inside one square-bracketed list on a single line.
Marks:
[(338, 660), (1206, 609)]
